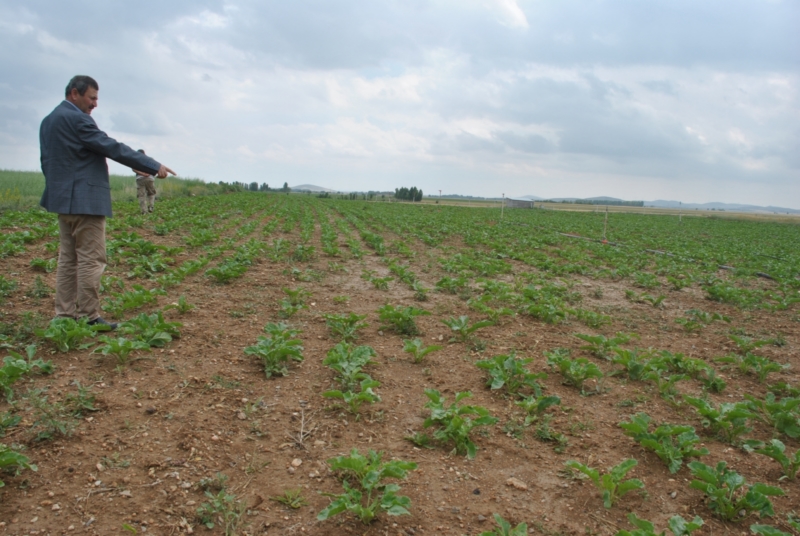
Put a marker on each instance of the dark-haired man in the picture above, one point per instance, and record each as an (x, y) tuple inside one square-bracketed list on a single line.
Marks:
[(73, 155)]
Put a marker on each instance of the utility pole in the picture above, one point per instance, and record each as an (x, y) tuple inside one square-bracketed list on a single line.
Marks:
[(502, 206), (680, 212), (605, 225)]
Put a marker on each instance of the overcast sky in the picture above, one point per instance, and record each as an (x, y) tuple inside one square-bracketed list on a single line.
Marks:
[(689, 100)]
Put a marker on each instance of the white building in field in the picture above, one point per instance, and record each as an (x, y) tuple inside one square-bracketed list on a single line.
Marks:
[(519, 203)]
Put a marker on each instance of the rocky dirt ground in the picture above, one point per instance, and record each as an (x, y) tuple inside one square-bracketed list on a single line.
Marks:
[(168, 424)]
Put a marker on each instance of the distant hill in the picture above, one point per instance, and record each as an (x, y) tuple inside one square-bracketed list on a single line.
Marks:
[(660, 203), (311, 188)]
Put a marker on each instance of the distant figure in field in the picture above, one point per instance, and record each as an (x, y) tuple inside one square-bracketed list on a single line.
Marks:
[(73, 156), (145, 189)]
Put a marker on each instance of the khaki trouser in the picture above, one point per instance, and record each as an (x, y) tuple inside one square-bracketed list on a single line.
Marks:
[(81, 261), (146, 192)]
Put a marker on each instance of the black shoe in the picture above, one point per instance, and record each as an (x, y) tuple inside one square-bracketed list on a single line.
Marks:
[(100, 322)]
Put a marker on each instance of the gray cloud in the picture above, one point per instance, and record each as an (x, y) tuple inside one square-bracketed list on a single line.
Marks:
[(625, 97)]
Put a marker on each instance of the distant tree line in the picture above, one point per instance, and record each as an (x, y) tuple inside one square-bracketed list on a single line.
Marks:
[(408, 194), (236, 186)]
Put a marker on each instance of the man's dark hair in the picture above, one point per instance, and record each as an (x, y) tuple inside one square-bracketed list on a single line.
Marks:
[(81, 83)]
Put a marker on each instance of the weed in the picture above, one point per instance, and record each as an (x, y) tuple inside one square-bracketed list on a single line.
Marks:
[(50, 418), (545, 432), (340, 300), (293, 498), (421, 439), (225, 509), (39, 289)]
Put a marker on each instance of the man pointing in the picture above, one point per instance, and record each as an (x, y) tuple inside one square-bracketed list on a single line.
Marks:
[(73, 154)]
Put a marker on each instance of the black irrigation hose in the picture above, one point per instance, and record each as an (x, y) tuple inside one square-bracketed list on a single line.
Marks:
[(656, 251)]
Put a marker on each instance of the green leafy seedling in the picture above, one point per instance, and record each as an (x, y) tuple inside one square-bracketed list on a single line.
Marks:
[(504, 528), (369, 495), (119, 347), (67, 334), (677, 525), (417, 349), (670, 442), (293, 498), (776, 450), (355, 399), (728, 421), (508, 371), (10, 458), (462, 328), (611, 483), (721, 487), (454, 422), (400, 319), (574, 371), (349, 362), (345, 327), (276, 351)]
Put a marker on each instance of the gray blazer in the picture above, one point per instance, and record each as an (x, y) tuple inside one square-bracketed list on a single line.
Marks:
[(73, 154)]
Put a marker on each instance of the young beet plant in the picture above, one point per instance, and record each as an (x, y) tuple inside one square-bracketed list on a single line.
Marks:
[(508, 371), (728, 421), (612, 483), (417, 349), (15, 366), (67, 334), (355, 399), (400, 319), (277, 350), (119, 347), (10, 458), (670, 442), (776, 450), (462, 328), (345, 327), (721, 487), (575, 371), (678, 526), (455, 422), (368, 495), (348, 362), (504, 528)]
